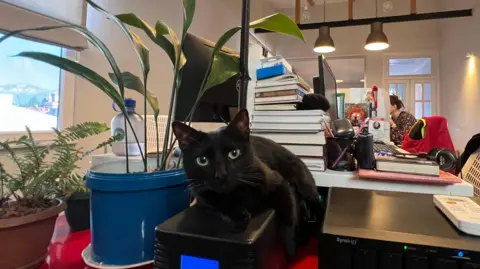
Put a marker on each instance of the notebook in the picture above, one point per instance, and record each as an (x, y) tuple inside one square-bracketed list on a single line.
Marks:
[(444, 178)]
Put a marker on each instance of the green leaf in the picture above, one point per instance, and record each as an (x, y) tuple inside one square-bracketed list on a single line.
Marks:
[(135, 83), (188, 13), (279, 23), (163, 29), (156, 36), (140, 48), (226, 66), (92, 38), (79, 70), (215, 76)]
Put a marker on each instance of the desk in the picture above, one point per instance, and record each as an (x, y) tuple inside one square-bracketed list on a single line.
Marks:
[(66, 248), (332, 178)]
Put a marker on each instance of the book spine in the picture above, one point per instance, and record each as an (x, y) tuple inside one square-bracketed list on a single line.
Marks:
[(278, 99)]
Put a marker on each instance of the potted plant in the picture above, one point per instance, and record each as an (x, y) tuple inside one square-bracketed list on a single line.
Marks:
[(127, 206), (31, 192)]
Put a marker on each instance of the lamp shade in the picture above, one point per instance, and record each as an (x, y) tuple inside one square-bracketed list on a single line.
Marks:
[(324, 43), (376, 40)]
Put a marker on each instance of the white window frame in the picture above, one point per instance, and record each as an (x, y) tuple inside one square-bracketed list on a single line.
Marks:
[(66, 111), (434, 76), (426, 54)]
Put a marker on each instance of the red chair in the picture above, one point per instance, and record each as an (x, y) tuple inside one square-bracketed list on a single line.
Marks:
[(434, 135)]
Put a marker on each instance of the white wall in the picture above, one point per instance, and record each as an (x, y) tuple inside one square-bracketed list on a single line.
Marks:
[(350, 41), (459, 76), (212, 19)]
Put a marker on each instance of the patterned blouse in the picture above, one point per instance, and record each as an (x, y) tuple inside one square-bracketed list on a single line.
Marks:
[(404, 122)]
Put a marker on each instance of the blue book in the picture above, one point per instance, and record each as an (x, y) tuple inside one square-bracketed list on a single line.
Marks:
[(272, 71)]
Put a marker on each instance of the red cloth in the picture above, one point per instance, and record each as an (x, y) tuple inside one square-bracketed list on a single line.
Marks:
[(436, 136), (66, 248)]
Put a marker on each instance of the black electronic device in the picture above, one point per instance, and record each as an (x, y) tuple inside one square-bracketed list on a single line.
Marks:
[(388, 230), (342, 128), (364, 150), (326, 85), (199, 239), (216, 104)]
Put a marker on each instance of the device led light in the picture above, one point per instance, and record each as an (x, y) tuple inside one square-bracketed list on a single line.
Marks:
[(460, 254), (405, 247)]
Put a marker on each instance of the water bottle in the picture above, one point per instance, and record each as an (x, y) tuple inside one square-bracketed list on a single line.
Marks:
[(118, 127)]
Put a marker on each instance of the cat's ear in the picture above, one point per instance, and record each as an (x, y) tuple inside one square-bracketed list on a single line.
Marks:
[(241, 123), (184, 134)]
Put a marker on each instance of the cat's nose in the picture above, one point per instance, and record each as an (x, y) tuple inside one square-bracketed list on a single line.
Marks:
[(219, 175)]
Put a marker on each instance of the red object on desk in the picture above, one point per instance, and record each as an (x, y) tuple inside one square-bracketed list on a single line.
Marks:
[(66, 249)]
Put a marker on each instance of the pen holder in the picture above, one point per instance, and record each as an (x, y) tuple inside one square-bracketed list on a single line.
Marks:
[(340, 153)]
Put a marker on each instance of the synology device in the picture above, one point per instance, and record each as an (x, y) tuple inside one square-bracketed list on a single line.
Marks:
[(390, 230)]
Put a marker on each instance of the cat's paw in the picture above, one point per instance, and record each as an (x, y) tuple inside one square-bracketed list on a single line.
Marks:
[(239, 221)]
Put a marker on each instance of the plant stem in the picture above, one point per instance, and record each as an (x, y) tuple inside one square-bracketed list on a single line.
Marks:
[(145, 142), (136, 138), (173, 101), (126, 141), (158, 141)]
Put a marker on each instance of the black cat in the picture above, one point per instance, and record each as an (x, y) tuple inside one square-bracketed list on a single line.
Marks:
[(240, 175)]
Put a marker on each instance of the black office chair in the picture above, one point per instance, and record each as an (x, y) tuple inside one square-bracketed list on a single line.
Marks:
[(472, 145)]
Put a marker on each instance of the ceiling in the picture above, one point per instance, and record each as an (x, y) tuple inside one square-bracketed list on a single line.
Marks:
[(282, 4)]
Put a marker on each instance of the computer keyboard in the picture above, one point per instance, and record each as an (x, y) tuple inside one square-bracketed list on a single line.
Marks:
[(377, 147)]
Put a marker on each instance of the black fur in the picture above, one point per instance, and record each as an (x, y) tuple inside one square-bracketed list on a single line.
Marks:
[(263, 175)]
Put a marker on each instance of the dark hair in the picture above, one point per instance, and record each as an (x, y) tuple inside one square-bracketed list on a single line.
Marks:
[(395, 101)]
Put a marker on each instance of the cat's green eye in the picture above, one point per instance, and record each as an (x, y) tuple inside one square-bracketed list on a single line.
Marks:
[(202, 161), (233, 154)]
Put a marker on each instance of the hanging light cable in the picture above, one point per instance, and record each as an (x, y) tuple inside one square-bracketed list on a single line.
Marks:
[(324, 42), (376, 40)]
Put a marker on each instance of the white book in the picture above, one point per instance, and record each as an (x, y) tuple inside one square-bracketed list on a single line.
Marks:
[(297, 113), (315, 164), (306, 150), (276, 107), (278, 99), (295, 138), (282, 80), (290, 119), (275, 60), (287, 127), (293, 86)]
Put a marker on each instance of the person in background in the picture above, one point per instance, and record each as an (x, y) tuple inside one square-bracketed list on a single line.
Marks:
[(400, 121)]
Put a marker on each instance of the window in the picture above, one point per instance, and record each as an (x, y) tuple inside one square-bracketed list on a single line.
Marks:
[(410, 66), (397, 89), (423, 100), (30, 91)]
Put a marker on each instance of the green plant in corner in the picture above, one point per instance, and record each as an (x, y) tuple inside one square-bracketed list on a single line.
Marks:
[(44, 173), (221, 67)]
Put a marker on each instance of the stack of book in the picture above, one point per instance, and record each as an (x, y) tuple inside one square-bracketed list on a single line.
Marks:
[(277, 88), (299, 131)]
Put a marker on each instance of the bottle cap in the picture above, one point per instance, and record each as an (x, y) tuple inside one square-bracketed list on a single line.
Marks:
[(130, 103)]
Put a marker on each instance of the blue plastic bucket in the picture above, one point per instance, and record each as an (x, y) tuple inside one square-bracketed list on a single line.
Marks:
[(126, 208)]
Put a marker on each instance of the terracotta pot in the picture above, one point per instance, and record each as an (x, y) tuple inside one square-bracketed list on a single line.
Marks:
[(25, 239)]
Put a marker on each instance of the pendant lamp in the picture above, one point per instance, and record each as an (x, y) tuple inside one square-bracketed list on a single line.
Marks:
[(324, 42), (376, 40)]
